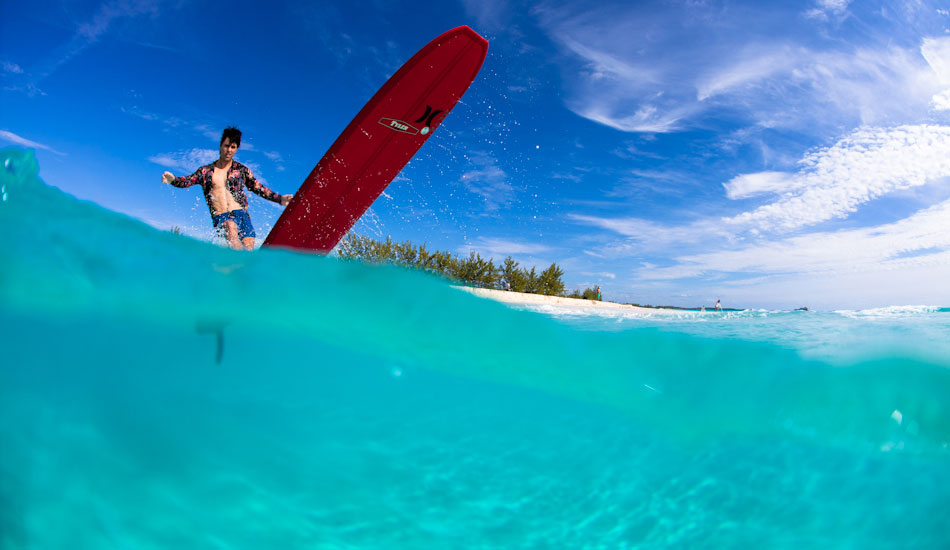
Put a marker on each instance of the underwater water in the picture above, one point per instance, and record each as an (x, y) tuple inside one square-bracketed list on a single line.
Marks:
[(161, 392)]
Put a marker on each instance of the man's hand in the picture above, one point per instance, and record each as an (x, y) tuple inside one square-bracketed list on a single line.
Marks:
[(285, 199), (168, 178)]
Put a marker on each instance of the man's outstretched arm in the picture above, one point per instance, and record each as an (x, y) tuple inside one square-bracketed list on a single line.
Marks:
[(251, 183), (171, 179)]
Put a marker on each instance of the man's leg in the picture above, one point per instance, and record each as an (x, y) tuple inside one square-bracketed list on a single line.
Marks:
[(231, 234), (245, 229)]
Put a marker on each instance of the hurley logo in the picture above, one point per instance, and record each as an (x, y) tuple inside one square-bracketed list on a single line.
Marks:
[(429, 115)]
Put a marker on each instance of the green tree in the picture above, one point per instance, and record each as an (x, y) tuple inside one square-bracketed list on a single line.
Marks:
[(510, 275), (474, 270), (530, 281), (477, 271), (549, 282), (353, 246)]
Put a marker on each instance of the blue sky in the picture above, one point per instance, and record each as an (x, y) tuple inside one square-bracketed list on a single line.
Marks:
[(674, 152)]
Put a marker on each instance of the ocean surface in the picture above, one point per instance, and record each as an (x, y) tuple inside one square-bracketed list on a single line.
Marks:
[(161, 392)]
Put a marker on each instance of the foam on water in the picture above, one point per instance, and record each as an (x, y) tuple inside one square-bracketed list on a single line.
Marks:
[(893, 311), (157, 391), (844, 337)]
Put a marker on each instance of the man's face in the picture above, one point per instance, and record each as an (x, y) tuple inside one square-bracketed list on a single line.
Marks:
[(228, 149)]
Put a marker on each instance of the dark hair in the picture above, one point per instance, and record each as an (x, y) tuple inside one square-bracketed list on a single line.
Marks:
[(233, 134)]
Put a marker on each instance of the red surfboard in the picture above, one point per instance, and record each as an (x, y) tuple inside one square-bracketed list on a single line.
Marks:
[(379, 142)]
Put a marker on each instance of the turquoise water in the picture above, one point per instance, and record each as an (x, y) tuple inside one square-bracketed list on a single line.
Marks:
[(161, 392)]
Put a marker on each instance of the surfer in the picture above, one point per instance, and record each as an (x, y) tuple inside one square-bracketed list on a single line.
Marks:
[(223, 182)]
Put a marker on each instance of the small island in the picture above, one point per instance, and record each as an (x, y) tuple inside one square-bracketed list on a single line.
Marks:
[(507, 282)]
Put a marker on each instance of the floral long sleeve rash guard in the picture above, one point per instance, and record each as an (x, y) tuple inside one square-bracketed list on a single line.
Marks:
[(239, 177)]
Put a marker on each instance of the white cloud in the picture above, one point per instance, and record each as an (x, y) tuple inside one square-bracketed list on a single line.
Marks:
[(576, 178), (750, 185), (489, 14), (91, 31), (502, 248), (488, 180), (111, 11), (801, 88), (602, 274), (30, 89), (276, 158), (826, 8), (208, 132), (937, 53), (629, 227), (186, 160), (135, 111), (752, 67), (11, 68), (211, 133), (941, 101), (834, 5), (834, 181), (660, 71), (19, 140), (919, 241), (644, 235), (607, 65), (648, 118)]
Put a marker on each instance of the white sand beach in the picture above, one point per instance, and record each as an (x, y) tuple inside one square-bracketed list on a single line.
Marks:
[(538, 300)]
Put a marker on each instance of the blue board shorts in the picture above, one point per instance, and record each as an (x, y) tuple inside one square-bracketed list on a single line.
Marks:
[(240, 219)]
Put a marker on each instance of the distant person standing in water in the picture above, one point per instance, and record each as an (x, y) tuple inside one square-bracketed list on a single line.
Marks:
[(223, 182), (718, 306)]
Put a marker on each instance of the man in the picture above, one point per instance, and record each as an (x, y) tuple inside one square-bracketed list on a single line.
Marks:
[(223, 183)]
